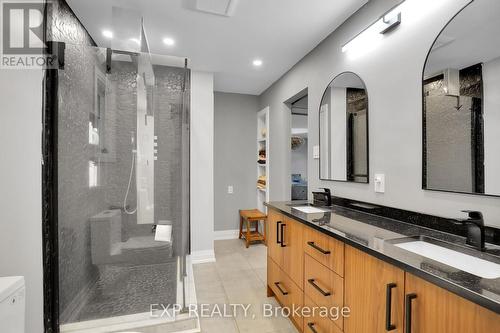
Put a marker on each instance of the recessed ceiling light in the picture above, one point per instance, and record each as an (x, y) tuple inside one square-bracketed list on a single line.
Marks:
[(107, 33), (257, 62), (168, 41)]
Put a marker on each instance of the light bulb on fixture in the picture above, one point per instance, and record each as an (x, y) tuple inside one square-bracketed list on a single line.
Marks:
[(107, 33), (168, 41), (257, 62)]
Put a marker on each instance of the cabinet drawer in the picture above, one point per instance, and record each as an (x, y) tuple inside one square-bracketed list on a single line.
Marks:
[(295, 298), (325, 249), (273, 276), (315, 323), (286, 291), (323, 287)]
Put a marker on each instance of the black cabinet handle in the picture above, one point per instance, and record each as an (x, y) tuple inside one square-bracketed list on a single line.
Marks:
[(324, 293), (277, 284), (282, 231), (409, 299), (278, 232), (388, 307), (311, 327), (317, 248)]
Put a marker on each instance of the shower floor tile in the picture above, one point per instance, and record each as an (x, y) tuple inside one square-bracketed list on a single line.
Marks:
[(130, 290)]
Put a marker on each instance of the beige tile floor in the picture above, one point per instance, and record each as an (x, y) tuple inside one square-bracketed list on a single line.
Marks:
[(238, 277)]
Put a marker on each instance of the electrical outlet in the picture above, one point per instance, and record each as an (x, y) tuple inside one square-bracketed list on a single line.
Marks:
[(230, 189)]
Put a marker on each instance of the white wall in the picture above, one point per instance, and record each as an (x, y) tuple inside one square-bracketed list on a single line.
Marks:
[(202, 167), (491, 81), (20, 190), (392, 70)]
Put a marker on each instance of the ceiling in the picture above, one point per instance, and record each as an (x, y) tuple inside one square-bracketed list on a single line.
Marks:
[(279, 32)]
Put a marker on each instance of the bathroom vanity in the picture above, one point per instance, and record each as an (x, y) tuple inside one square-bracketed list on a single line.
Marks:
[(378, 268)]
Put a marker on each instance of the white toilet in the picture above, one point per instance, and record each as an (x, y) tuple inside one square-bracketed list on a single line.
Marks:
[(12, 304)]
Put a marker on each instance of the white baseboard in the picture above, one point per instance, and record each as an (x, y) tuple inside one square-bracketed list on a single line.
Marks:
[(226, 234), (202, 257)]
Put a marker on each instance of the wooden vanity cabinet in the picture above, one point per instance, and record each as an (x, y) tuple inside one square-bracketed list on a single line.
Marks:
[(285, 265), (433, 309), (293, 251), (373, 290), (274, 250), (285, 290), (285, 245), (311, 268)]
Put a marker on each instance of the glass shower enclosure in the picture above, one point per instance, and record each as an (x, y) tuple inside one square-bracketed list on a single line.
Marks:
[(122, 187)]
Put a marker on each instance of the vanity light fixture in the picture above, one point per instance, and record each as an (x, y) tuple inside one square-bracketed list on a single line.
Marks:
[(392, 20), (386, 23)]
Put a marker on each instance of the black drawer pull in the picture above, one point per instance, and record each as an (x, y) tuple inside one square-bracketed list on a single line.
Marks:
[(409, 299), (311, 327), (317, 248), (277, 284), (282, 231), (388, 307), (324, 293), (278, 232)]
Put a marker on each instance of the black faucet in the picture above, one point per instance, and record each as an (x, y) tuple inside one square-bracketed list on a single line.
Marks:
[(323, 198), (475, 229)]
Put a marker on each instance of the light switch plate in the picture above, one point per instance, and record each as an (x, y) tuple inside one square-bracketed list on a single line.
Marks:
[(230, 189), (379, 183), (316, 152)]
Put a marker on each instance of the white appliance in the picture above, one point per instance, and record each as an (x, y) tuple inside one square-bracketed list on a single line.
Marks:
[(12, 304)]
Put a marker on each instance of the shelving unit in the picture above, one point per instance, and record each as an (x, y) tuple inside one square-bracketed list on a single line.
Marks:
[(263, 169)]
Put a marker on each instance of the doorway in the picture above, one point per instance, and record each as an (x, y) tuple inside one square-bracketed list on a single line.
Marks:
[(299, 149)]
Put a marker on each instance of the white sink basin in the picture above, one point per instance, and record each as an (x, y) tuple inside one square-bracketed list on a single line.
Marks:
[(458, 260), (309, 209)]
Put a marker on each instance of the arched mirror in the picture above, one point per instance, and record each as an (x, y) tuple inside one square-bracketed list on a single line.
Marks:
[(461, 104), (343, 123)]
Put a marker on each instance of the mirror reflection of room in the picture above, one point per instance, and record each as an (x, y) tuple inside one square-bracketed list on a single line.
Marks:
[(299, 132), (461, 104), (344, 130)]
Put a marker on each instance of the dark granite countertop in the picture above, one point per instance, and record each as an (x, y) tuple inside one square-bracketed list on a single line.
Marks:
[(377, 236)]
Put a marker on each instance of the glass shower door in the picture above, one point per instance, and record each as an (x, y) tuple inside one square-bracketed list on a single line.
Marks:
[(123, 210)]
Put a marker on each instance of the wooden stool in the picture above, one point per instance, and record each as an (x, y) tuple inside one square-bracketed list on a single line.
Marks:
[(247, 217)]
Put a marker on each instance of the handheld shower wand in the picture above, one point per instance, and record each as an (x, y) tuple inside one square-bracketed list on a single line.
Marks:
[(134, 153)]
